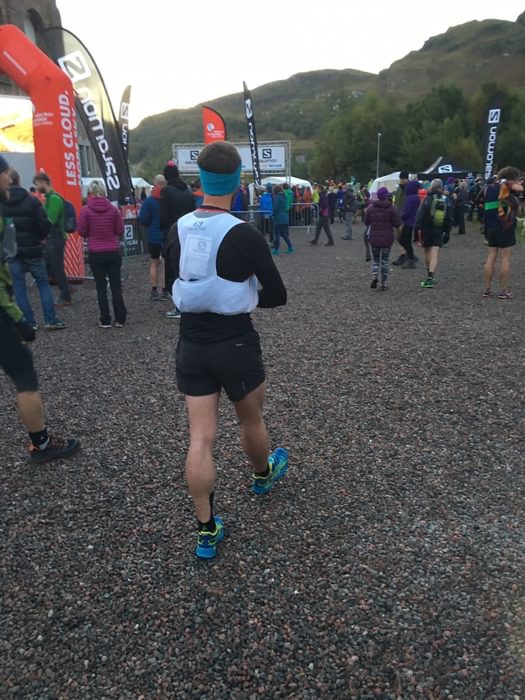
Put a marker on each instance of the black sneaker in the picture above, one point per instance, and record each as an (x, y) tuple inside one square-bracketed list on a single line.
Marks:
[(165, 296), (56, 449), (401, 259), (373, 283), (154, 296)]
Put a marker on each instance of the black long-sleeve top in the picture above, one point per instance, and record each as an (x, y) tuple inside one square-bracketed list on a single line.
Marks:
[(242, 253)]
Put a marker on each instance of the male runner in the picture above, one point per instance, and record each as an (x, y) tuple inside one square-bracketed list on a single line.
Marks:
[(433, 218), (16, 359), (501, 206), (217, 261)]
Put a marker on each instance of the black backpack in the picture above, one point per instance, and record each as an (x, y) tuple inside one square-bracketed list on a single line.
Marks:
[(70, 216)]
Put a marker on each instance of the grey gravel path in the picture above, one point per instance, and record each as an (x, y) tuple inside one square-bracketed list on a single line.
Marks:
[(390, 563)]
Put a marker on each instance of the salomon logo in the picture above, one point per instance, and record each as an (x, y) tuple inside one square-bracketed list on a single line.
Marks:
[(75, 66)]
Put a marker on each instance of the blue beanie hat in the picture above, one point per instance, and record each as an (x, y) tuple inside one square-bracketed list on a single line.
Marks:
[(4, 165)]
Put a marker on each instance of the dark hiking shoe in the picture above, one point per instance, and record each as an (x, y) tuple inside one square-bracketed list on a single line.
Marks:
[(56, 449)]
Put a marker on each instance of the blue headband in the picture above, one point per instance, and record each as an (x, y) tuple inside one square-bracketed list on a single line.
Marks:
[(220, 183)]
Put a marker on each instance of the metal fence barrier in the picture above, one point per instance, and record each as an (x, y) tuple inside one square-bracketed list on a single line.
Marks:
[(300, 216)]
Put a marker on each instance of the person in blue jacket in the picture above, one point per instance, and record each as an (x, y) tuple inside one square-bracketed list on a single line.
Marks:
[(266, 209), (280, 221), (150, 218)]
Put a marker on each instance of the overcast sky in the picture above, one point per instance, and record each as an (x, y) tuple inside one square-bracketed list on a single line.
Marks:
[(177, 54)]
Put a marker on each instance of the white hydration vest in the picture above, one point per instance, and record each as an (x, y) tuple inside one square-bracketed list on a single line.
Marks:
[(199, 289)]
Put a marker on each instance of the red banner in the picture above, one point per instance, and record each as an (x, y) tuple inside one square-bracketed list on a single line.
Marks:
[(54, 123), (213, 125)]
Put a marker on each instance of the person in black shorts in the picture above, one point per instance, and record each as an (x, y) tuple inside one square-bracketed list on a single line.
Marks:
[(149, 216), (501, 206), (16, 359), (433, 218), (218, 261)]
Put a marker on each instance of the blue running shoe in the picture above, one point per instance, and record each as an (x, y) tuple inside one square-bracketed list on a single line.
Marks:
[(278, 466), (207, 541)]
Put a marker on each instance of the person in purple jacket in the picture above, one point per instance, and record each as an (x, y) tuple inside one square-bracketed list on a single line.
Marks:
[(408, 218), (101, 224), (381, 218), (323, 221)]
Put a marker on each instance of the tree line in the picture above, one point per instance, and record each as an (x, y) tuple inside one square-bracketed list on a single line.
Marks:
[(445, 122)]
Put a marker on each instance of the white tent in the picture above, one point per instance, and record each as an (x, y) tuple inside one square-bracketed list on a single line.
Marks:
[(277, 180), (390, 181), (138, 184)]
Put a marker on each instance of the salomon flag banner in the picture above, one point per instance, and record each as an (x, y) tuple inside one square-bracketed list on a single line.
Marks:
[(248, 108), (123, 119), (493, 120), (94, 108), (213, 126)]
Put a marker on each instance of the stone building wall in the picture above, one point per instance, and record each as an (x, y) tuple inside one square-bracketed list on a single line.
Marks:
[(31, 16)]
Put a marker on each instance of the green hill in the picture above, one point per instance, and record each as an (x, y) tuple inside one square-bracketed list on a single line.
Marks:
[(467, 55)]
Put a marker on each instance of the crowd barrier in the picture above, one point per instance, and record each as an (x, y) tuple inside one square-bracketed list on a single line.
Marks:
[(299, 216)]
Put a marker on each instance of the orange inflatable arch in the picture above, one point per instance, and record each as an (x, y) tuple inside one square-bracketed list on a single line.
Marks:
[(54, 123)]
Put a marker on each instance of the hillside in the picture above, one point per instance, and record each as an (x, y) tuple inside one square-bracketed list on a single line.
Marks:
[(468, 55)]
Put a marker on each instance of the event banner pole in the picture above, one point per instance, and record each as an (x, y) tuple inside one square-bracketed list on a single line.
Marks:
[(248, 108), (94, 108), (123, 128), (123, 119), (491, 133), (213, 125)]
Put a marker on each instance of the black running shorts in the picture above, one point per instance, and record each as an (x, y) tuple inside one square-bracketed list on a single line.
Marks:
[(155, 250), (234, 365), (432, 238), (501, 239), (15, 358)]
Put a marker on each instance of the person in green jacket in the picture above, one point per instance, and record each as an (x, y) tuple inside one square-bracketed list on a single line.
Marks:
[(56, 240), (288, 193), (16, 359)]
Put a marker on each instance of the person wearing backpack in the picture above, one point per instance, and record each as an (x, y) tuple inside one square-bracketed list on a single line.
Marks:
[(32, 227), (16, 359), (56, 241), (501, 205), (433, 218)]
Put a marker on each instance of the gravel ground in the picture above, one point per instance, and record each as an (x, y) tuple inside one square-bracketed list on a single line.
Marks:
[(390, 563)]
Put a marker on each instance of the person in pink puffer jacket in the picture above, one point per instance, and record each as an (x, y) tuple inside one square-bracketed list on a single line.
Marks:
[(100, 223)]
